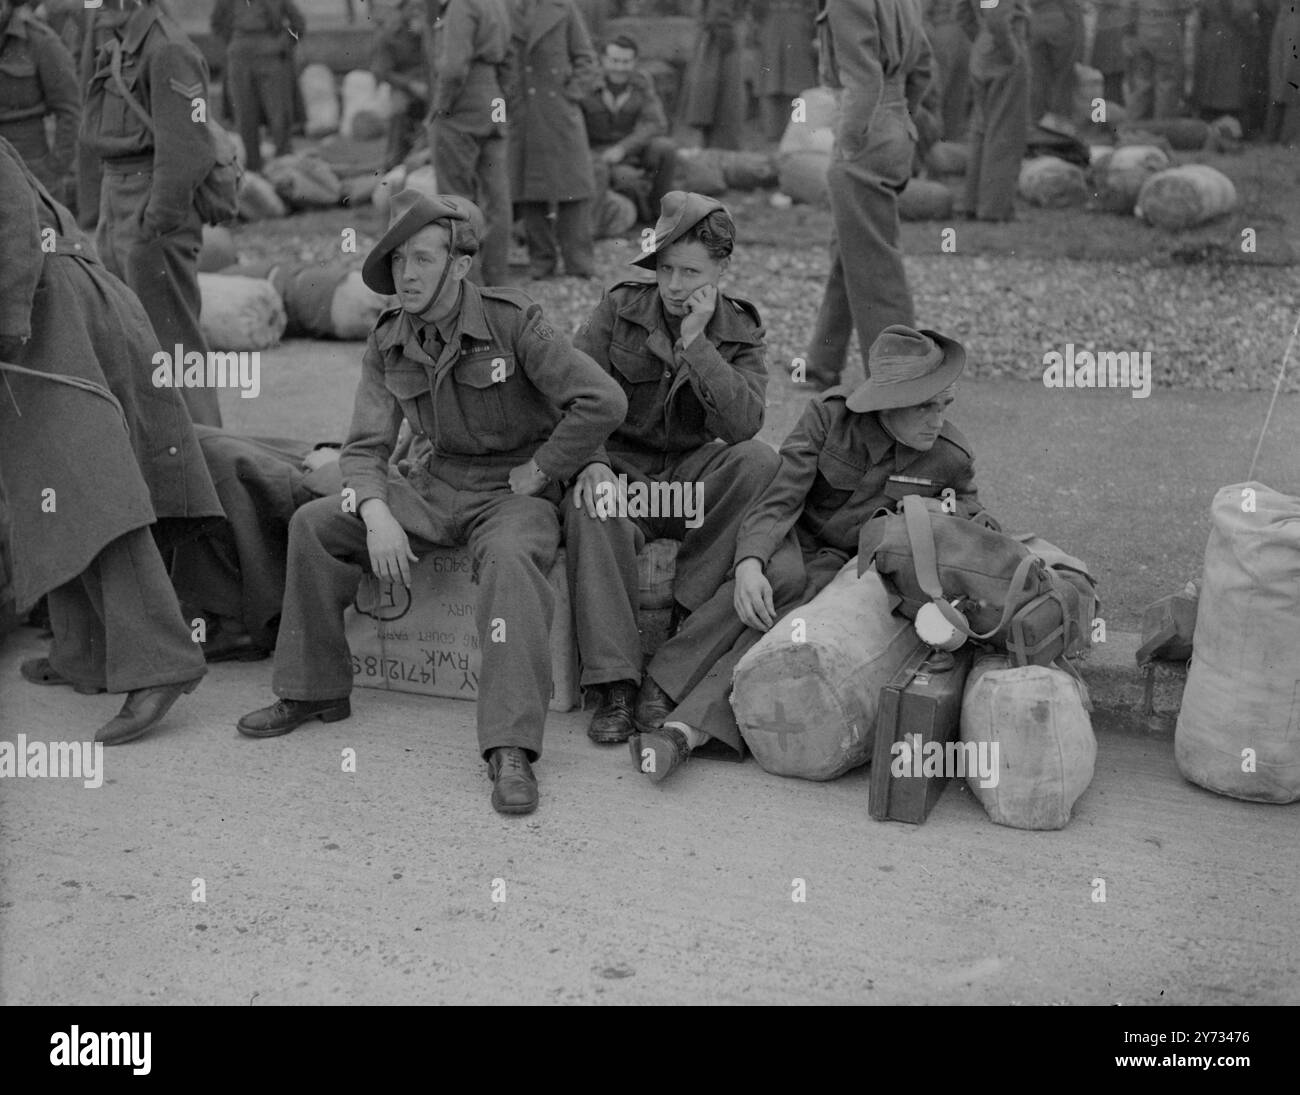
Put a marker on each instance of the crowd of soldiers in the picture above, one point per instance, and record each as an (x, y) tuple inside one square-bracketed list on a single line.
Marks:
[(517, 439)]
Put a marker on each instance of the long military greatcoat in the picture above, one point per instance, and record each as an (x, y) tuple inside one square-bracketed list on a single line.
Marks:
[(555, 68), (76, 472)]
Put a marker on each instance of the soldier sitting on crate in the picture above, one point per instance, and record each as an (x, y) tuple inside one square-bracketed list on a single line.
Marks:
[(852, 453), (512, 411)]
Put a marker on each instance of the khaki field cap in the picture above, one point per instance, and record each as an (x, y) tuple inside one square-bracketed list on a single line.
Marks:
[(679, 212), (907, 368), (410, 211)]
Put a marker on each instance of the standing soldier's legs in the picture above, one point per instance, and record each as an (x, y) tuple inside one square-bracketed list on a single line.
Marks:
[(275, 91), (979, 93), (830, 339), (118, 625), (471, 161), (513, 540), (494, 200), (660, 162), (866, 224), (600, 557), (162, 272), (573, 225), (1141, 90), (241, 86), (1169, 75), (539, 231), (997, 152)]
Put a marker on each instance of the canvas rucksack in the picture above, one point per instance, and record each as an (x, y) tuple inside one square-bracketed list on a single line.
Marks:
[(1024, 596)]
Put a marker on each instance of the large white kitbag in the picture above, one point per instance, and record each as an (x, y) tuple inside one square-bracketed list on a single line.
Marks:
[(806, 694), (1239, 728), (805, 150), (1183, 197), (320, 98), (1046, 751), (240, 313)]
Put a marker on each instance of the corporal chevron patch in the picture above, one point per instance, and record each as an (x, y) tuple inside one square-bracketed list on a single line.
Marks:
[(186, 91)]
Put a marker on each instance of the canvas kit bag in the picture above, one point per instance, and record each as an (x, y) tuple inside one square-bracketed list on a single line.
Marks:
[(1022, 595)]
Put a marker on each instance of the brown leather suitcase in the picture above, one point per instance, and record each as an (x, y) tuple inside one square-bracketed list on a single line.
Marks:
[(920, 705)]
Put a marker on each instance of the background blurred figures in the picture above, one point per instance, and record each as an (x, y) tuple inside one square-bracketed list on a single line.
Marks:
[(999, 70), (399, 57), (1055, 44), (259, 36), (1156, 70), (144, 121), (788, 63), (715, 84), (951, 45), (38, 80), (471, 42), (554, 69)]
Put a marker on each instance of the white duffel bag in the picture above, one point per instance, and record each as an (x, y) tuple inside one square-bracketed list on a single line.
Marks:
[(1239, 727), (806, 694)]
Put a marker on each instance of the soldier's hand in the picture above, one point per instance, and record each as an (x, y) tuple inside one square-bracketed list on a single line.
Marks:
[(528, 479), (390, 551), (700, 306), (613, 154), (598, 492), (753, 597)]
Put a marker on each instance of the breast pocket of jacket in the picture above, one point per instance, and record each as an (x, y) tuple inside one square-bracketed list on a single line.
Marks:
[(838, 476), (640, 374), (479, 382), (409, 385)]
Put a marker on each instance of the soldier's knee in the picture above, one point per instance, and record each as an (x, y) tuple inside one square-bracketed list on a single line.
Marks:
[(755, 462)]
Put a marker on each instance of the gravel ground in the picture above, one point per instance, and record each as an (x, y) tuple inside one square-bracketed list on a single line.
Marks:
[(1208, 325)]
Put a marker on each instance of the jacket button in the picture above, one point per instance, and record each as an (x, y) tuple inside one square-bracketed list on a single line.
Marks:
[(172, 451), (668, 374)]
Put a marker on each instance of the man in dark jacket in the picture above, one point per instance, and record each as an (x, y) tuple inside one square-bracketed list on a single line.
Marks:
[(259, 36), (691, 362), (512, 411), (627, 131), (554, 69), (145, 118), (467, 132), (877, 52), (92, 455), (38, 80), (851, 454)]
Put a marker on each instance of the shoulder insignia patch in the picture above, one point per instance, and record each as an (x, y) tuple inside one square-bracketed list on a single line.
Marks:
[(544, 330), (186, 91)]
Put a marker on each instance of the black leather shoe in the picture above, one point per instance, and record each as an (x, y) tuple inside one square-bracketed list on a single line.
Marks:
[(660, 753), (514, 787), (612, 723), (285, 715), (142, 710), (653, 705)]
